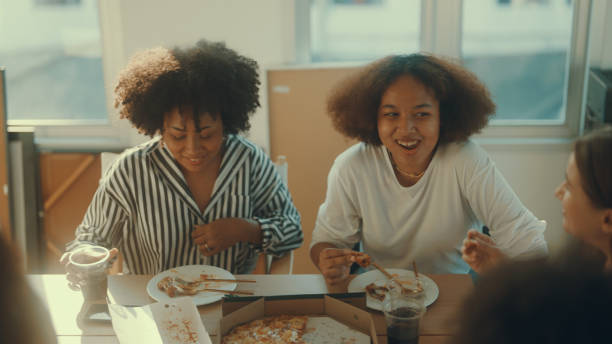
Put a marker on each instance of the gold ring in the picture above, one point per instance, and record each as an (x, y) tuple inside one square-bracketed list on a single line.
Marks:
[(206, 246)]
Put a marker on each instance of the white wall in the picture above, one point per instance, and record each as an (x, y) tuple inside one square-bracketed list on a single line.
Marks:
[(262, 30)]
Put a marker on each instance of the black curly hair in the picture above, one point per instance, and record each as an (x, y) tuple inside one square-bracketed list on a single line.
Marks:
[(208, 76), (465, 103)]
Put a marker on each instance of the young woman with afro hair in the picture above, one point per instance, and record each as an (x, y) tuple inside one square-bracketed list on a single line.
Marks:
[(415, 184), (197, 192)]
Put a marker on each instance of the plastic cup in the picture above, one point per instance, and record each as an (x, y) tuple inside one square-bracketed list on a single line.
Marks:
[(90, 265), (403, 312)]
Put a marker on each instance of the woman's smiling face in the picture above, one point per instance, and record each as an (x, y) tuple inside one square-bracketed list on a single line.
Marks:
[(409, 123), (193, 147)]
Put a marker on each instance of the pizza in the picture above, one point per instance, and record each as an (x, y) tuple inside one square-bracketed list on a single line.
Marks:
[(277, 329), (375, 291), (362, 259), (168, 286), (175, 286), (378, 292)]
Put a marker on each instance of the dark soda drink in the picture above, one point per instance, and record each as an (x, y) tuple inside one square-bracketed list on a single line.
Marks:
[(401, 330)]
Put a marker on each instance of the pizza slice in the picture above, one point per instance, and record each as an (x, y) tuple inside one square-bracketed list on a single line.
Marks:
[(375, 291), (364, 260), (276, 329)]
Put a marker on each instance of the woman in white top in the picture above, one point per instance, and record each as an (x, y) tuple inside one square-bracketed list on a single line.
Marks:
[(414, 185)]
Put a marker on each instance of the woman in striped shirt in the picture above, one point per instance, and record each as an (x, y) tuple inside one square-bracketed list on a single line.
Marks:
[(199, 193)]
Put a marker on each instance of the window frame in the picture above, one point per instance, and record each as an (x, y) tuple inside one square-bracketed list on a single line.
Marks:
[(441, 34), (90, 134), (575, 89)]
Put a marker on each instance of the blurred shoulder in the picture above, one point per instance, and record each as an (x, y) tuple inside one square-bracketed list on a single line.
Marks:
[(241, 145), (138, 154), (358, 154), (461, 153), (357, 162)]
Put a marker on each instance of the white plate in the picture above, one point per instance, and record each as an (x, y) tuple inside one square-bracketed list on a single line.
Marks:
[(359, 283), (192, 273)]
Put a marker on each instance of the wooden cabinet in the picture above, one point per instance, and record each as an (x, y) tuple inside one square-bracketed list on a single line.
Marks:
[(301, 130), (68, 182)]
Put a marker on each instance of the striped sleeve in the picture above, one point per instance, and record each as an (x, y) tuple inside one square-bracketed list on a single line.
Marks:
[(106, 215), (273, 208)]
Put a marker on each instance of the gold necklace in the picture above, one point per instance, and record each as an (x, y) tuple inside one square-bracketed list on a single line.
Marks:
[(406, 173)]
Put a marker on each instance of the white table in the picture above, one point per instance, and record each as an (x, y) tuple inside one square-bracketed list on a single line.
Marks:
[(64, 304)]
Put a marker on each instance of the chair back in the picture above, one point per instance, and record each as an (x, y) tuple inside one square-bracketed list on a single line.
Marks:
[(282, 168), (106, 160), (284, 264)]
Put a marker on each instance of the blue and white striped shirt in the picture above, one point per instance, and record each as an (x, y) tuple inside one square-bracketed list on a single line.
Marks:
[(144, 207)]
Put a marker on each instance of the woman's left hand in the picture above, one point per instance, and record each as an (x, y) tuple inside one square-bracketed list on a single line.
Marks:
[(220, 234), (480, 252)]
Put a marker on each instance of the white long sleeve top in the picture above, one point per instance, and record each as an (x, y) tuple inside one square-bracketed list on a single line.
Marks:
[(425, 222)]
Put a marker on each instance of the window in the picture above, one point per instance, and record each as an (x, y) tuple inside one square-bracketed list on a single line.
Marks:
[(532, 54), (520, 50), (349, 30), (52, 53)]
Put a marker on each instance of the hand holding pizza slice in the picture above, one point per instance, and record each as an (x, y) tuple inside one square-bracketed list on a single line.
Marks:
[(364, 260)]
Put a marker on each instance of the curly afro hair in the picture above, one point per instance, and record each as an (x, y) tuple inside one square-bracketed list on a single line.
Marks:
[(465, 103), (208, 76)]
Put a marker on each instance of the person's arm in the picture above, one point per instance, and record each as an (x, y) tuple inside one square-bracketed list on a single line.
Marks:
[(106, 215), (337, 229), (104, 218), (280, 229), (338, 221), (515, 231)]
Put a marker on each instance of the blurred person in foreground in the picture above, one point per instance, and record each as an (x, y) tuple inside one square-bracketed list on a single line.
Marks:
[(24, 318), (197, 192), (415, 184), (538, 302)]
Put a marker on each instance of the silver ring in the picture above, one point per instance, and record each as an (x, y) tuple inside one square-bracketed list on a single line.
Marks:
[(206, 246)]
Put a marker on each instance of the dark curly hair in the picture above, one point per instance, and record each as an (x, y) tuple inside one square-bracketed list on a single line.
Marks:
[(207, 76), (465, 103)]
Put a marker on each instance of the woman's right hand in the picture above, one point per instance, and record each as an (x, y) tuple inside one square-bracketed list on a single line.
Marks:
[(480, 252), (74, 277), (335, 264)]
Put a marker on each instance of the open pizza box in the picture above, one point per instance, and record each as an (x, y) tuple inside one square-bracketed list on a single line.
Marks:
[(336, 319)]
